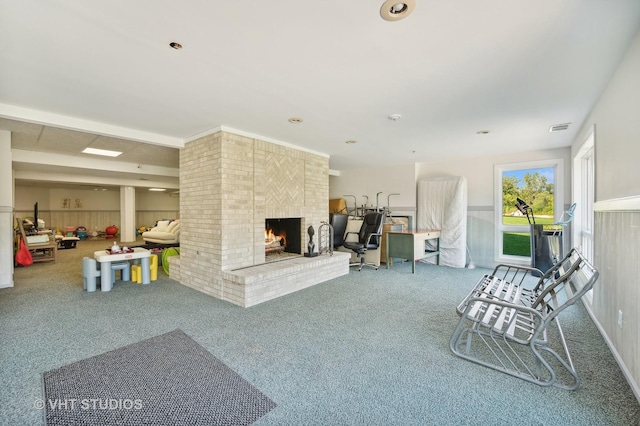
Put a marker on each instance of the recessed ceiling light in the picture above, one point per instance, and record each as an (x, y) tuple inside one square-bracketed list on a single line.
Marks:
[(295, 120), (176, 46), (157, 189), (559, 127), (483, 132), (394, 10), (351, 142), (104, 152)]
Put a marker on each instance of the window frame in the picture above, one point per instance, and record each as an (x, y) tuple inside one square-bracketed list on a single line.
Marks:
[(557, 164), (583, 190)]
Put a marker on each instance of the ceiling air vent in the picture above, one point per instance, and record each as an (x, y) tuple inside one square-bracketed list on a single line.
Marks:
[(559, 127)]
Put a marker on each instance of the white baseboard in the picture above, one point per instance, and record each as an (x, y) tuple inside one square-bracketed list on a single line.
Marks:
[(625, 371)]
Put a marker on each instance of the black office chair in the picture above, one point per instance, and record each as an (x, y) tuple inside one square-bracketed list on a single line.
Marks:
[(369, 238), (339, 223)]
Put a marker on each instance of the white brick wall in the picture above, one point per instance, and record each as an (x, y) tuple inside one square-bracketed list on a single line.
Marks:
[(229, 185)]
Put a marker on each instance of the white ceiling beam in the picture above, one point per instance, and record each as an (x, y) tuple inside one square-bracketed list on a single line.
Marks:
[(13, 112), (23, 175), (90, 164)]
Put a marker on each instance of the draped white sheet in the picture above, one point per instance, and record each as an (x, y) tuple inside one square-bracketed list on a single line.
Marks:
[(442, 204)]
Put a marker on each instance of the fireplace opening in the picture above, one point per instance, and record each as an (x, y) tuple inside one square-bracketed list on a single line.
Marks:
[(282, 236)]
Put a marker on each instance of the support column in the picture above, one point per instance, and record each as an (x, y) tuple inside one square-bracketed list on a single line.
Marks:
[(6, 211), (127, 214)]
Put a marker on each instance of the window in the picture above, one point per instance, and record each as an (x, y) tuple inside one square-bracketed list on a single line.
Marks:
[(583, 195), (539, 185)]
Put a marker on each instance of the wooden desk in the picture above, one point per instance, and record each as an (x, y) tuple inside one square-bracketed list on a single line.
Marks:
[(387, 227), (411, 245)]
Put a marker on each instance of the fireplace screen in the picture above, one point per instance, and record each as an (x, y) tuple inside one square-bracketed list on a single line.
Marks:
[(282, 236)]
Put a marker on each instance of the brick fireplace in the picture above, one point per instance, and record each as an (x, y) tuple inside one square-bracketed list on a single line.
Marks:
[(229, 185)]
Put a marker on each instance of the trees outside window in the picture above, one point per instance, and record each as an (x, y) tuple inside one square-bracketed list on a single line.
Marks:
[(535, 183), (534, 186)]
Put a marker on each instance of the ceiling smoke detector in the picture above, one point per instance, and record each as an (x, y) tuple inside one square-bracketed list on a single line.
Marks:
[(395, 117), (559, 127), (394, 10)]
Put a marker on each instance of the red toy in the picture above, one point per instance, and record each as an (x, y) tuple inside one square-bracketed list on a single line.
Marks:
[(111, 231)]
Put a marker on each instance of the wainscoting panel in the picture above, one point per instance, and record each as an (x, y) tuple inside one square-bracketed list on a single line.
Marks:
[(480, 238), (94, 219), (616, 256)]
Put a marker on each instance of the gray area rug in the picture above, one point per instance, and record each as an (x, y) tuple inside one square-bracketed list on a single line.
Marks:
[(165, 380)]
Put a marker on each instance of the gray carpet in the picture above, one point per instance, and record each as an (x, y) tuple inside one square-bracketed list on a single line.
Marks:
[(165, 380), (368, 348)]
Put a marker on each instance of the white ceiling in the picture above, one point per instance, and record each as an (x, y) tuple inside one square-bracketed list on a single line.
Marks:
[(102, 74)]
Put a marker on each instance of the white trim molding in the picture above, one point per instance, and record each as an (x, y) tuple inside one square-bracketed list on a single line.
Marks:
[(253, 136), (618, 204)]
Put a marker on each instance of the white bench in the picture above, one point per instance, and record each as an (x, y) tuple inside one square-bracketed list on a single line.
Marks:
[(506, 320)]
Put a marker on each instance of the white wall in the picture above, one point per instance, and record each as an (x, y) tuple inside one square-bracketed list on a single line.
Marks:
[(617, 218), (617, 131), (359, 182), (479, 172), (402, 179), (97, 210), (88, 199), (52, 199), (25, 197), (150, 200)]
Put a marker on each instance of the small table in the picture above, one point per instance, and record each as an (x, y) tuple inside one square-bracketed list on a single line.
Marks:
[(105, 260), (411, 245)]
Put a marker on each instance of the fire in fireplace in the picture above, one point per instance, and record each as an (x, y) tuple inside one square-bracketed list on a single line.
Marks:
[(282, 235)]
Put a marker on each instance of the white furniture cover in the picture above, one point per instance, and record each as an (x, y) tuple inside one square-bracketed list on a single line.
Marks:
[(442, 204)]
